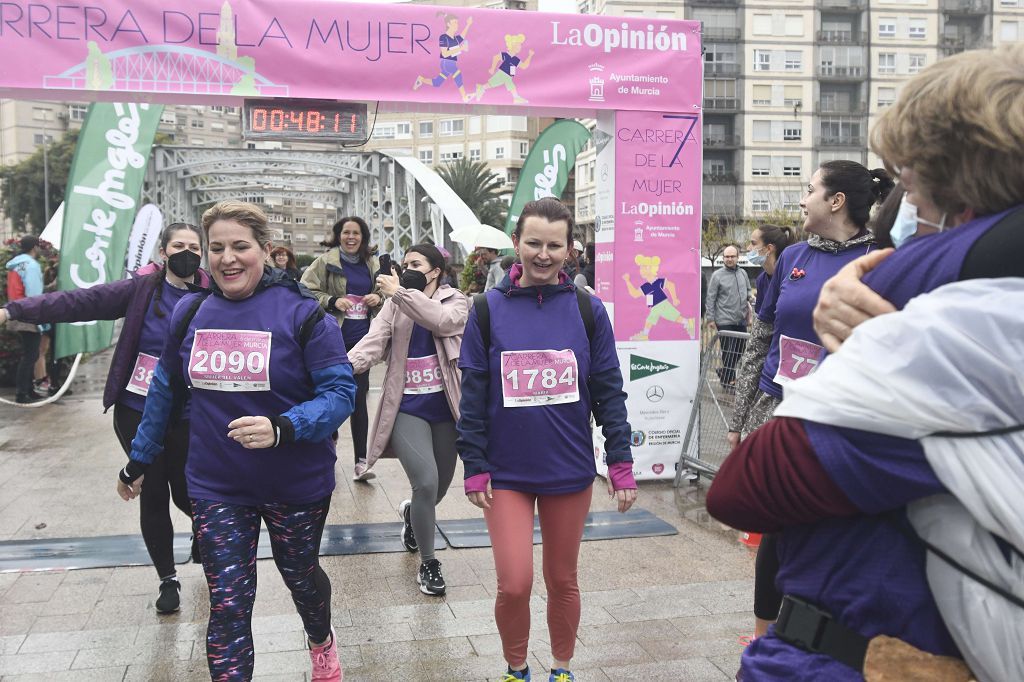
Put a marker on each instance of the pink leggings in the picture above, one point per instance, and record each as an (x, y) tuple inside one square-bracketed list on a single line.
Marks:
[(510, 524)]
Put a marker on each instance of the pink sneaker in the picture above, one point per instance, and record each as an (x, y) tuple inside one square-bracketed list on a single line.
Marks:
[(326, 665)]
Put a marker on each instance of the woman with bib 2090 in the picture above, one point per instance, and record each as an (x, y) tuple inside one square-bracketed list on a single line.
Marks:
[(530, 380), (269, 384), (419, 333)]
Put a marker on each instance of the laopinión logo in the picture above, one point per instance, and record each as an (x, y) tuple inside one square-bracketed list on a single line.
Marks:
[(640, 367)]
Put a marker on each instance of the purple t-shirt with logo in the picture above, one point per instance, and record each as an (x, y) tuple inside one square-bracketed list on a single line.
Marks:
[(447, 42), (509, 63), (656, 290), (790, 298), (431, 407), (219, 468), (152, 339), (357, 283), (540, 449)]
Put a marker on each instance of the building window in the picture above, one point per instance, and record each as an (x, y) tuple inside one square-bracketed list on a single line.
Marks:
[(916, 63), (793, 95), (426, 128), (77, 112), (886, 96), (217, 109), (427, 156), (887, 27), (384, 132), (762, 60), (40, 138), (403, 130), (453, 126), (791, 167), (792, 131), (762, 95), (918, 29), (524, 149), (794, 25), (794, 61), (474, 154), (499, 152), (762, 131), (1009, 31), (790, 201), (169, 117), (300, 220), (197, 141), (216, 126), (762, 24), (196, 123), (760, 201), (42, 114), (886, 62), (451, 156), (760, 166)]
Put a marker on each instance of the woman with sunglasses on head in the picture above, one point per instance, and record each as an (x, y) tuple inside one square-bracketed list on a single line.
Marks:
[(419, 333), (145, 301)]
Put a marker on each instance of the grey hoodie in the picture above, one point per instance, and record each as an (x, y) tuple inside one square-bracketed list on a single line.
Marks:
[(728, 293)]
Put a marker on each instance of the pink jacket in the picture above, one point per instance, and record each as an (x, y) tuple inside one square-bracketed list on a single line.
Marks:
[(445, 314)]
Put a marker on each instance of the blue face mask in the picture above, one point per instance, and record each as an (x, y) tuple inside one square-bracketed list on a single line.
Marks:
[(907, 221), (755, 258)]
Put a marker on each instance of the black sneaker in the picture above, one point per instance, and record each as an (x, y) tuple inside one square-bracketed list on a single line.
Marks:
[(408, 537), (430, 579), (169, 600), (30, 397)]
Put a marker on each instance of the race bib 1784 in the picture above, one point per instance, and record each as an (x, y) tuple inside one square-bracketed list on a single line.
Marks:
[(539, 377), (230, 360)]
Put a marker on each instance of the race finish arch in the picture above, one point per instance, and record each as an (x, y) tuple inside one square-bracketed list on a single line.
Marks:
[(641, 78)]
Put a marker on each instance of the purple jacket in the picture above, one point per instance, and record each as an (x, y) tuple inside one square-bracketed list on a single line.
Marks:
[(127, 298)]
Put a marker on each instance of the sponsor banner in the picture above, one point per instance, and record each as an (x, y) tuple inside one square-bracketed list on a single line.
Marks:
[(99, 207), (648, 273), (142, 243), (324, 49), (546, 169)]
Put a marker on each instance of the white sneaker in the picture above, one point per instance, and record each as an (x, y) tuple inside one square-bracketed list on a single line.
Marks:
[(362, 472)]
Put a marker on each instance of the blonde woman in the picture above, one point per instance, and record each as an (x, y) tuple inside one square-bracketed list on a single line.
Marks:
[(503, 68), (658, 291)]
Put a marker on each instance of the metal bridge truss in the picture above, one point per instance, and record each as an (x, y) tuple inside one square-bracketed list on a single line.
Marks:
[(184, 181)]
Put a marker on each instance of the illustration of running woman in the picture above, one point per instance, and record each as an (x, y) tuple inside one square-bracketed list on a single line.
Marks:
[(503, 68), (654, 290), (452, 44)]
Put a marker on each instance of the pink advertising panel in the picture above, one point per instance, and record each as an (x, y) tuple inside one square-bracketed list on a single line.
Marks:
[(324, 49), (657, 226)]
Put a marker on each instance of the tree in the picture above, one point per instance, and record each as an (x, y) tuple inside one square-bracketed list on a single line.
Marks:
[(479, 187), (22, 187)]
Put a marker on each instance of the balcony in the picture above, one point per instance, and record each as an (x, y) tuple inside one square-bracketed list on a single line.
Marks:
[(950, 45), (842, 73), (721, 178), (719, 33), (851, 109), (721, 141), (965, 6), (841, 5), (721, 104), (840, 141), (714, 3), (840, 38), (721, 69)]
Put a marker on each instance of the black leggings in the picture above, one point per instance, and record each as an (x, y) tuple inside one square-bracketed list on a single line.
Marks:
[(165, 481), (30, 342), (767, 598), (359, 422)]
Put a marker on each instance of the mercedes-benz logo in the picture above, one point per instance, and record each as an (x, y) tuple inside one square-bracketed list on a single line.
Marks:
[(655, 393)]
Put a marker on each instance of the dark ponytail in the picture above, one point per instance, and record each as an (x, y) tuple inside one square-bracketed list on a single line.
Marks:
[(779, 236), (863, 188)]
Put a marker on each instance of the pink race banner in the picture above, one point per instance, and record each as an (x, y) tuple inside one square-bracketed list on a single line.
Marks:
[(657, 226), (324, 49)]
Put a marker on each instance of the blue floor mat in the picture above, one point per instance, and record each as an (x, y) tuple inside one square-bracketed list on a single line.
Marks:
[(604, 525)]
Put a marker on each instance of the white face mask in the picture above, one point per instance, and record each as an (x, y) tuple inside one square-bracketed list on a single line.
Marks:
[(907, 222)]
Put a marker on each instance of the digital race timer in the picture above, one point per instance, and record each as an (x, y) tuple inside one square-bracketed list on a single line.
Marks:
[(299, 119)]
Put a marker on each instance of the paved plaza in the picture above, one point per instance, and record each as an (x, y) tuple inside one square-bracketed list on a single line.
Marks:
[(664, 608)]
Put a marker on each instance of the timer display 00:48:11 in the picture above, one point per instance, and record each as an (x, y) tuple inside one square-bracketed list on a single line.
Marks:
[(307, 121)]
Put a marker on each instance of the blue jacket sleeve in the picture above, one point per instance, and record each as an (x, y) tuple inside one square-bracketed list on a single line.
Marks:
[(608, 402), (160, 403), (335, 400), (472, 427)]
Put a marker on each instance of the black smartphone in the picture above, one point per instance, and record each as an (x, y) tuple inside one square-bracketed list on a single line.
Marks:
[(385, 264)]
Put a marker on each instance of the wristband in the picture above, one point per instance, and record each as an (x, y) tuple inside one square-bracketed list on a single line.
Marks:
[(132, 472), (284, 430), (477, 483), (621, 476), (330, 304)]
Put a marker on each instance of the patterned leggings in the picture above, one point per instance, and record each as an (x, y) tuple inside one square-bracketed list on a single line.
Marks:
[(228, 535)]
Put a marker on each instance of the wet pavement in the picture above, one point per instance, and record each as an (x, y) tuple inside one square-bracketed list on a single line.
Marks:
[(664, 608)]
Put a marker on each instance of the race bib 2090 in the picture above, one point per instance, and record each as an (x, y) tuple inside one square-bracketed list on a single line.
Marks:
[(230, 360)]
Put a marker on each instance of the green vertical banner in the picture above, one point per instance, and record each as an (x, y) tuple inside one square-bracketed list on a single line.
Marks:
[(99, 209), (546, 170)]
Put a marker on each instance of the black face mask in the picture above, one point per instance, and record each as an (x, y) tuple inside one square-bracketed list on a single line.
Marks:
[(184, 263), (413, 279)]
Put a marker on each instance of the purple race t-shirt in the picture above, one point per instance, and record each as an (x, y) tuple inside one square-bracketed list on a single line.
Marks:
[(761, 285), (447, 42), (789, 300), (151, 343), (540, 449), (655, 291), (243, 346), (357, 283), (509, 63), (424, 395)]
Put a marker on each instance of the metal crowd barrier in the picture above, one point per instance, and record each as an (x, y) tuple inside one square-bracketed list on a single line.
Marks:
[(704, 444)]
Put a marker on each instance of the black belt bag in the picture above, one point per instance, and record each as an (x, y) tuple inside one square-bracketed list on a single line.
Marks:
[(807, 627)]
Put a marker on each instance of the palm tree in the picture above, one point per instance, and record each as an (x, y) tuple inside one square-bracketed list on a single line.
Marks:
[(479, 187)]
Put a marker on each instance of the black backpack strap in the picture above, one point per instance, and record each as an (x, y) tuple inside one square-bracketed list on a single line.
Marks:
[(587, 313), (310, 323), (483, 318), (178, 333)]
